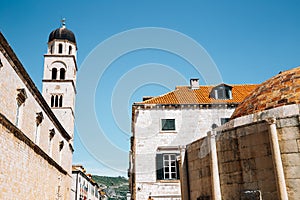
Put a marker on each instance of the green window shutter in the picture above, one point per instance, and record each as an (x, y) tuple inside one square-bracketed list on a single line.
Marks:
[(159, 167)]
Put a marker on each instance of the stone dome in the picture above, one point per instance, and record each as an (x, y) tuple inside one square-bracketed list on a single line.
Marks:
[(62, 34), (280, 90)]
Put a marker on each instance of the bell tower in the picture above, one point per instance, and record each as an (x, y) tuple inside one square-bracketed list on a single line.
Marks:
[(59, 82)]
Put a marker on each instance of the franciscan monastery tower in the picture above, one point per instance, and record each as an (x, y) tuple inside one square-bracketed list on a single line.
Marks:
[(59, 82)]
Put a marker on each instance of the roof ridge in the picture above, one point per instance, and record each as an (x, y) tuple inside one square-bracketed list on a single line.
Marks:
[(235, 84), (182, 95)]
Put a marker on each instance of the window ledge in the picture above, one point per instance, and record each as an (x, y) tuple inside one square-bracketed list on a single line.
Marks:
[(168, 181), (168, 132)]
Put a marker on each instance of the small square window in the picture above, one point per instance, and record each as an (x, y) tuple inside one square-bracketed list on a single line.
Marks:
[(168, 124), (224, 120)]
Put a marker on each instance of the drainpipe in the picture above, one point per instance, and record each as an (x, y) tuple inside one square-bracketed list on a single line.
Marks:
[(216, 190), (277, 162)]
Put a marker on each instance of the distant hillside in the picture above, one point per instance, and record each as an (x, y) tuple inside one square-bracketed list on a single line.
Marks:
[(114, 187)]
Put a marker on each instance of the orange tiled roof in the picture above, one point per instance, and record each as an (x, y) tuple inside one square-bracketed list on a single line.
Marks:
[(280, 90), (186, 95)]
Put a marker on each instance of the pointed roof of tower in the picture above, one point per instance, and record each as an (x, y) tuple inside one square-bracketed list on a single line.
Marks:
[(62, 33)]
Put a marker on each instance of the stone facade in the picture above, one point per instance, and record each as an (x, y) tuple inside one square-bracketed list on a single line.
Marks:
[(83, 186), (36, 150), (190, 124), (151, 145), (27, 172)]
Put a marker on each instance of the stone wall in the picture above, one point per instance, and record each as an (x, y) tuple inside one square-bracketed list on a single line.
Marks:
[(14, 77), (25, 174), (199, 172), (246, 162), (289, 141), (36, 151)]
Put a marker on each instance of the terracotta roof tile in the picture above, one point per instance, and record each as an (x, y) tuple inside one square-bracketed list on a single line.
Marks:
[(280, 90), (186, 95)]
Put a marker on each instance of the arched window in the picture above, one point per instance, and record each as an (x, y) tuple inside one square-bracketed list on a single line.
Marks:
[(52, 101), (60, 48), (70, 50), (221, 91), (56, 101), (60, 101), (62, 74), (54, 74)]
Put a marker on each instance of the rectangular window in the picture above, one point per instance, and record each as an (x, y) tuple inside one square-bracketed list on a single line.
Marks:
[(170, 171), (38, 120), (50, 142), (21, 97), (221, 93), (224, 120), (61, 146), (168, 124), (167, 166), (1, 65), (18, 115), (37, 134)]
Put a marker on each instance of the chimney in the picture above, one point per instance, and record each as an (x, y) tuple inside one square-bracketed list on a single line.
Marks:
[(194, 83)]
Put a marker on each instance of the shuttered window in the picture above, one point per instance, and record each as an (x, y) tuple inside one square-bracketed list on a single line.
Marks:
[(167, 166)]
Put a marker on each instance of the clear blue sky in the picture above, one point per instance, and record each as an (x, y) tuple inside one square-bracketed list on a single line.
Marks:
[(249, 41)]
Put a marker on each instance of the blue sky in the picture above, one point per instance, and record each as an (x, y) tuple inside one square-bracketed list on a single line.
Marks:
[(249, 41)]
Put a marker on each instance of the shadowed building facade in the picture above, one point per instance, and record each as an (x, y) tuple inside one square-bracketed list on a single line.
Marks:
[(36, 131)]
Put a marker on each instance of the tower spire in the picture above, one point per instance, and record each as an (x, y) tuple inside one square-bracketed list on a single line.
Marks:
[(59, 82)]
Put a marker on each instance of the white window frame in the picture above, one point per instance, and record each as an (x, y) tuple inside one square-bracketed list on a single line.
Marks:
[(160, 162), (168, 160)]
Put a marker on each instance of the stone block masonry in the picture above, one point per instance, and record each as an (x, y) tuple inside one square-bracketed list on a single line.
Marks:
[(25, 173), (246, 161), (36, 150)]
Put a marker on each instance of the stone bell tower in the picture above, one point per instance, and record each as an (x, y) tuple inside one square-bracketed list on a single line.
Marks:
[(59, 82)]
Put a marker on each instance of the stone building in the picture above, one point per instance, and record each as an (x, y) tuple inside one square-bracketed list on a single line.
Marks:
[(83, 186), (256, 155), (36, 131), (161, 125)]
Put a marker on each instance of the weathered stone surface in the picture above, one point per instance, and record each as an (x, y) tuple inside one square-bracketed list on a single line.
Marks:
[(288, 146), (288, 133), (34, 163), (288, 122), (293, 188), (245, 160)]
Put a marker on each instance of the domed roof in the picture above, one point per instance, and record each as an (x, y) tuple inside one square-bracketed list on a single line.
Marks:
[(62, 34), (280, 90)]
